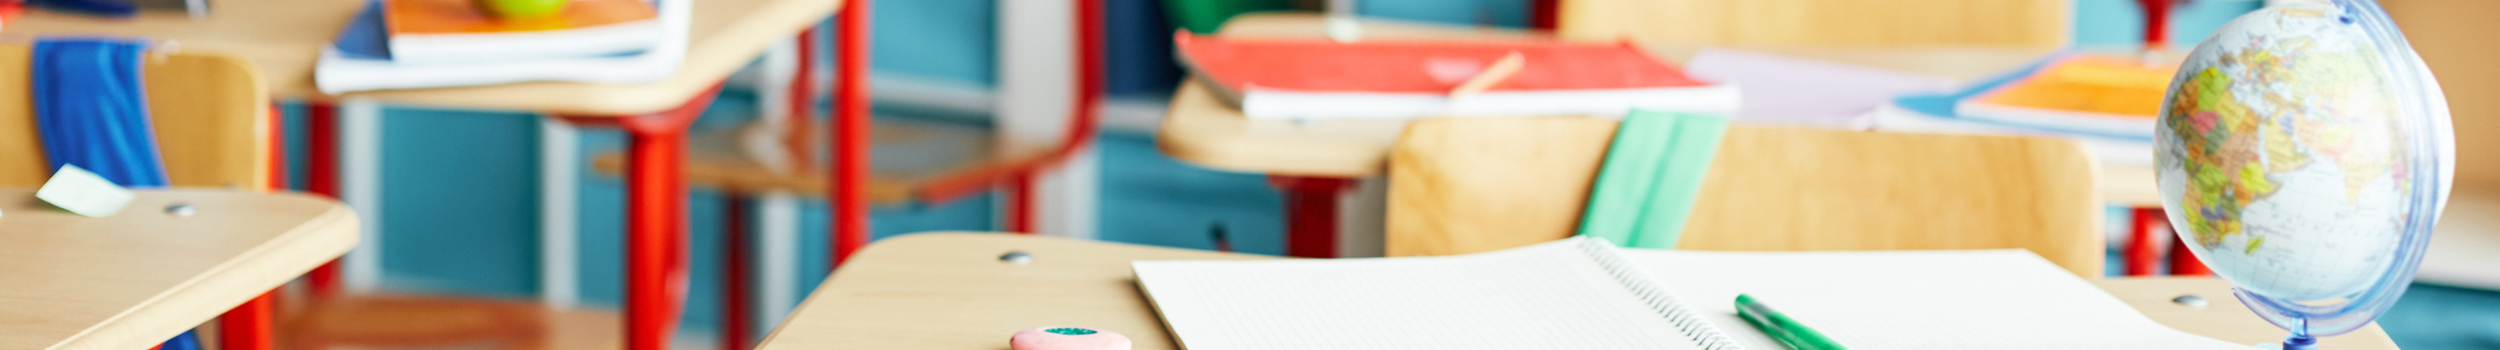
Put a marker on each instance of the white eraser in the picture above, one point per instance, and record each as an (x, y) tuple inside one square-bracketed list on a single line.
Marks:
[(84, 193)]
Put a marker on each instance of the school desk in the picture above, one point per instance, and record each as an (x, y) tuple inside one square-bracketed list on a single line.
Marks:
[(951, 291), (283, 37), (1315, 161), (139, 277)]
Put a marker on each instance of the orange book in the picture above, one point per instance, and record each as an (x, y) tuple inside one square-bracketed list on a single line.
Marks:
[(2092, 92), (457, 31)]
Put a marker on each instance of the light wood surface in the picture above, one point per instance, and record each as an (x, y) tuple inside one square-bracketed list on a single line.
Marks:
[(391, 321), (2454, 37), (935, 150), (1199, 128), (210, 115), (283, 38), (949, 291), (139, 277), (1821, 23), (1460, 186)]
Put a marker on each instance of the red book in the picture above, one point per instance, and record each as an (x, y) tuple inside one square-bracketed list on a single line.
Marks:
[(1319, 78)]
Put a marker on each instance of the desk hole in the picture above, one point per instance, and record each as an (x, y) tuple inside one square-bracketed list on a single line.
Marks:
[(2190, 300)]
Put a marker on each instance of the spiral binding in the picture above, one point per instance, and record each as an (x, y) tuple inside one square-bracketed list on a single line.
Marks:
[(1639, 283)]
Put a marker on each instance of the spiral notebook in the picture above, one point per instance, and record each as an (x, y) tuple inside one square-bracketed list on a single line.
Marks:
[(1583, 293)]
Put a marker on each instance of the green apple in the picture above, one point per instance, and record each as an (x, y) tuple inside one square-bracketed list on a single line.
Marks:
[(523, 8)]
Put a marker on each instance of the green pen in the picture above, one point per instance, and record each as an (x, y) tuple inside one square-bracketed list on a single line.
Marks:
[(1787, 331)]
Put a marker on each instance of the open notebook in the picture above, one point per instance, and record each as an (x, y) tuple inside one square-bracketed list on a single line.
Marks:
[(1587, 294)]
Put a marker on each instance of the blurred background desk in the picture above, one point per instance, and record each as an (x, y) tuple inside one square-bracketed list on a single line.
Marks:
[(284, 39), (1315, 161)]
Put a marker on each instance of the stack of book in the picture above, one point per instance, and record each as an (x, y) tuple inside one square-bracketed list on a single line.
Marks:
[(1326, 79), (405, 44), (2109, 104)]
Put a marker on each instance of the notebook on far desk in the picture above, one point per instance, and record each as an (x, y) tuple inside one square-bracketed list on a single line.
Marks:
[(1586, 294)]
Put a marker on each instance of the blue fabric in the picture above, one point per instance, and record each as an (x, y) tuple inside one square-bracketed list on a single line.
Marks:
[(91, 111), (365, 38), (189, 340)]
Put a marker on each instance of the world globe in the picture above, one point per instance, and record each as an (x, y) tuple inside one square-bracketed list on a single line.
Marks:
[(2303, 153)]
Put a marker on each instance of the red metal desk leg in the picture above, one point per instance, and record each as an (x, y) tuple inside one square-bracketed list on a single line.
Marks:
[(655, 234), (2140, 255), (737, 315), (1311, 213), (321, 176), (850, 131), (655, 219), (246, 327), (655, 229), (1019, 196)]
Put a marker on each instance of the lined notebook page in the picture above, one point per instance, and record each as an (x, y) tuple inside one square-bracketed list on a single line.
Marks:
[(1547, 296), (1930, 300)]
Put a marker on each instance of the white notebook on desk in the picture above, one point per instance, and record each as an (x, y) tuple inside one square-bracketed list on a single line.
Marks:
[(1586, 294)]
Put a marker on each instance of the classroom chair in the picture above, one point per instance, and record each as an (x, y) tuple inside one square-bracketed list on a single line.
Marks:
[(1820, 23), (209, 120), (1464, 185), (209, 111)]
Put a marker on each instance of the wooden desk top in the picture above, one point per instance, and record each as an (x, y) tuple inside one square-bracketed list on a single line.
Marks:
[(137, 278), (1201, 129), (949, 291), (284, 38)]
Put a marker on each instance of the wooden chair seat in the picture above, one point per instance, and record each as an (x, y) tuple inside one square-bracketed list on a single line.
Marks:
[(910, 155), (1464, 185)]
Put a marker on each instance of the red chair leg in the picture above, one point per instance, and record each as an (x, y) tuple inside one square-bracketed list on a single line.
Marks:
[(2183, 262), (850, 131), (276, 129), (246, 327), (1311, 213), (737, 315), (321, 176)]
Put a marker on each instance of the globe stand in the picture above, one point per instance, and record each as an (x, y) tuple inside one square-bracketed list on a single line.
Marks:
[(2300, 342)]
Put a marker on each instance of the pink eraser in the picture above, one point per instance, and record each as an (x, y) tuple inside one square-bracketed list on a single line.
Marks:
[(1067, 338)]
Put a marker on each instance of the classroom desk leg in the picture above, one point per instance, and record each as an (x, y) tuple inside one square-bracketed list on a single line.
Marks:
[(850, 130), (2140, 254), (246, 327), (655, 219), (737, 315), (1311, 213)]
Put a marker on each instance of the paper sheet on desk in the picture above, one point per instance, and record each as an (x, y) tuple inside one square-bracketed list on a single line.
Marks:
[(1931, 300), (1789, 90)]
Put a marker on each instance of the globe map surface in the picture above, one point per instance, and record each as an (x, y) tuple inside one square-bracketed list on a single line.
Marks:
[(2282, 155)]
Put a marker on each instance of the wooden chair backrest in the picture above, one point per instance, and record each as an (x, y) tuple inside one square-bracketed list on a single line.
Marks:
[(1464, 185), (1822, 23), (210, 110)]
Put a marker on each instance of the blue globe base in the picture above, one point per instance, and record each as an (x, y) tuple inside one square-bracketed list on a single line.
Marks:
[(2300, 342)]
